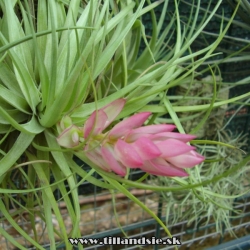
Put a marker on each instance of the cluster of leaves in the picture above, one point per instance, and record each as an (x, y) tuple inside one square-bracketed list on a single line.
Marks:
[(213, 203)]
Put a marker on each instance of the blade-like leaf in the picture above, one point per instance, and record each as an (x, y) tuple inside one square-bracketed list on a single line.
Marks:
[(21, 144)]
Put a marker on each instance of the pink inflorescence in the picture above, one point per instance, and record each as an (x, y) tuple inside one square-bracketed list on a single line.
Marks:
[(154, 148)]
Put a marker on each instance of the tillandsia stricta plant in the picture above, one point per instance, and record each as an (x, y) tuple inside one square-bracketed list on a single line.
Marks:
[(64, 65)]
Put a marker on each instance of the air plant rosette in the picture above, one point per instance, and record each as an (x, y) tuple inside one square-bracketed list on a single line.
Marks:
[(73, 83), (214, 204)]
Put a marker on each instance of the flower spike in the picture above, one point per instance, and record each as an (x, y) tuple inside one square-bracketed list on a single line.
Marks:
[(155, 149)]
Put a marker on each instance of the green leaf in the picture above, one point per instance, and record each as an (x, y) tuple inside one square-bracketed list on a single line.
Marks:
[(17, 228), (17, 150), (14, 99), (31, 127), (122, 189), (7, 115), (8, 79), (25, 81), (65, 168), (49, 203)]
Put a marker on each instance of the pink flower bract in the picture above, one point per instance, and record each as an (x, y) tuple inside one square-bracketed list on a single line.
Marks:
[(155, 149)]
